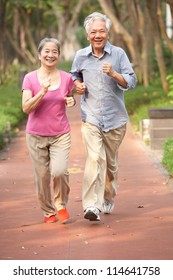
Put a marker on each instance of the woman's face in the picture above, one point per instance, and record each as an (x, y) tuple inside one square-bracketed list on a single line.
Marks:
[(49, 54)]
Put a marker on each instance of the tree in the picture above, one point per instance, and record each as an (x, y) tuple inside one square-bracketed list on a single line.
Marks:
[(139, 28), (152, 10), (67, 14), (3, 49), (163, 27), (53, 18), (147, 16)]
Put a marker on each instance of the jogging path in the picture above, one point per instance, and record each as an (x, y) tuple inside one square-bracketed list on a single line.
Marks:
[(140, 227)]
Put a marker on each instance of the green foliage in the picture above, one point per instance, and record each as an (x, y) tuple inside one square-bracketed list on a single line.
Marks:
[(81, 36), (170, 80), (167, 159), (13, 73), (10, 110), (65, 65)]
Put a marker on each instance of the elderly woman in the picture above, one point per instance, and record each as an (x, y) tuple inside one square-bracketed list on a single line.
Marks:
[(46, 92)]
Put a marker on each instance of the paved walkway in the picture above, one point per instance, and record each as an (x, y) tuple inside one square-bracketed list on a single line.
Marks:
[(140, 227)]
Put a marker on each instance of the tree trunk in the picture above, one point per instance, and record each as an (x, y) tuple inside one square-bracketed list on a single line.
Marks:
[(170, 2), (17, 49), (67, 23), (152, 9), (163, 28), (136, 18), (120, 30), (3, 54)]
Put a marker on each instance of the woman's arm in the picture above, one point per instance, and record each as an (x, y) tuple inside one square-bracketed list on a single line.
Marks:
[(29, 102)]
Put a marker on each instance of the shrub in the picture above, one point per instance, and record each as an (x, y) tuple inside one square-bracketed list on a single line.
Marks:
[(167, 159), (11, 114), (170, 80)]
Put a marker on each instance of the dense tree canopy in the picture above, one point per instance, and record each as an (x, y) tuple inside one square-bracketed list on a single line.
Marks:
[(138, 26)]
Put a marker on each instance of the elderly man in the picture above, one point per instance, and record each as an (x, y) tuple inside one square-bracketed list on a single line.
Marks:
[(101, 73)]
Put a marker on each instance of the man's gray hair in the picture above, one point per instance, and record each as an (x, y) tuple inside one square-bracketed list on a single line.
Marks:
[(48, 40), (94, 16)]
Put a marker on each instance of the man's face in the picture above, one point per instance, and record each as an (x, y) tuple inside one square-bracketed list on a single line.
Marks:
[(98, 34)]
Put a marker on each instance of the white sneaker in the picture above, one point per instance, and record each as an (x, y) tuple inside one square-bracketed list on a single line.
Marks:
[(108, 206), (92, 214)]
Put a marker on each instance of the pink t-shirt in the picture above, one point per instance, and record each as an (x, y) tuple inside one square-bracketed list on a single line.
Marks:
[(49, 118)]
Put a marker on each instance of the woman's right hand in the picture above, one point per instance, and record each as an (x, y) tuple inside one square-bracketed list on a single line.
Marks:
[(46, 84), (80, 87)]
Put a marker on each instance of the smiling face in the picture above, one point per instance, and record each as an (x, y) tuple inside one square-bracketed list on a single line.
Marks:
[(49, 54), (98, 35)]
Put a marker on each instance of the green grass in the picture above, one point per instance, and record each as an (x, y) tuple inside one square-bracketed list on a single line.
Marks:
[(140, 99)]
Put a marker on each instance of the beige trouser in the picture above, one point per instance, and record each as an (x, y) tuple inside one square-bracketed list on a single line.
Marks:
[(50, 158), (101, 168)]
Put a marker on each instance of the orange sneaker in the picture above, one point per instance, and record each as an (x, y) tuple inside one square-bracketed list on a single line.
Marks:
[(63, 216), (51, 219)]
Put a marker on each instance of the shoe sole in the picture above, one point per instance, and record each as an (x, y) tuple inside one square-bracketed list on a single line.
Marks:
[(108, 211), (89, 215), (65, 221), (50, 222)]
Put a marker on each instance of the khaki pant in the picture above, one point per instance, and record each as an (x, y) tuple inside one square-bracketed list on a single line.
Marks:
[(101, 168), (50, 158)]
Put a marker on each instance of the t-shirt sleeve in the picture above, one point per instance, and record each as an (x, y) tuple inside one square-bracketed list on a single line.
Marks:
[(27, 83), (71, 84)]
